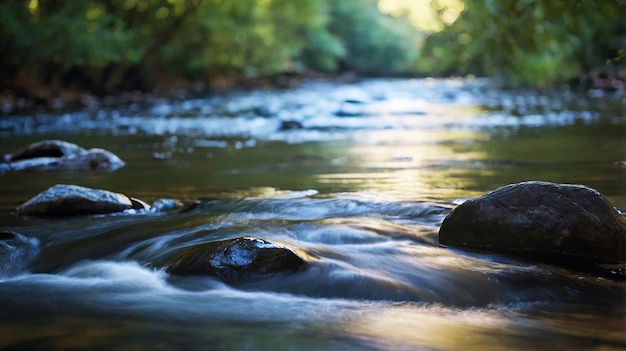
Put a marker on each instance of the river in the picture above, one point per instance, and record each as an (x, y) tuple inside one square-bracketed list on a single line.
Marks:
[(363, 182)]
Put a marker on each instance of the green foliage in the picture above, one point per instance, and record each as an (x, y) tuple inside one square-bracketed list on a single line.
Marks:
[(375, 43), (532, 42), (46, 38), (107, 45), (253, 38)]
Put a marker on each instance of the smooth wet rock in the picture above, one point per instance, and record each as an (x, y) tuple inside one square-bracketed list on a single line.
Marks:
[(46, 148), (562, 223), (60, 155), (229, 259), (64, 200), (138, 204), (167, 205), (262, 111), (290, 125)]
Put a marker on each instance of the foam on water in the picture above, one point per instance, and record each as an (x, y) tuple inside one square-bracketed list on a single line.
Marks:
[(362, 187), (127, 289)]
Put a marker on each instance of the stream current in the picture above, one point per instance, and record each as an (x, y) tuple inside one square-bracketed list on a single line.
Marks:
[(363, 182)]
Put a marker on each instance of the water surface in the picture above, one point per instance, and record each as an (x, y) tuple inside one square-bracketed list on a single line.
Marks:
[(363, 185)]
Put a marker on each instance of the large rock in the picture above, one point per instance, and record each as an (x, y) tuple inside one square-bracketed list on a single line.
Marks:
[(230, 259), (71, 200), (60, 155), (569, 224)]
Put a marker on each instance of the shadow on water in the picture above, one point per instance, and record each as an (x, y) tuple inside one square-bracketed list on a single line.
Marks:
[(362, 182)]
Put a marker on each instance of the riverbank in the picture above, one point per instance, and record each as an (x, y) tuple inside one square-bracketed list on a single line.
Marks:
[(31, 96)]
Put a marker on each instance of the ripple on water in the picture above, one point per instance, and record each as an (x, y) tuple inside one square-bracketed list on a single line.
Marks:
[(380, 281)]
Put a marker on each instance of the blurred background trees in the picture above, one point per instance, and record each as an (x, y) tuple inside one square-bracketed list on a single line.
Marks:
[(531, 42), (106, 46)]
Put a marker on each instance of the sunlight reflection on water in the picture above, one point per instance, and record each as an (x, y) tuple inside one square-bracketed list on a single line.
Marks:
[(363, 186)]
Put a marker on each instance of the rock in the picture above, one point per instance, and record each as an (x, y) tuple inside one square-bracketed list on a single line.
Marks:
[(602, 80), (559, 223), (138, 204), (95, 158), (46, 148), (71, 200), (262, 111), (229, 259), (61, 155), (165, 205), (290, 125)]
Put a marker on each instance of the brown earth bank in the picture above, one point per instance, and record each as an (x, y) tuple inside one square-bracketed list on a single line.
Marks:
[(32, 95)]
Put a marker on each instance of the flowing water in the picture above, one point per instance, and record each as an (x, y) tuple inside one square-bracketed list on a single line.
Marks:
[(363, 185)]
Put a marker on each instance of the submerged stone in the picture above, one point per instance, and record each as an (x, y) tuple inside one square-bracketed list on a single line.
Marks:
[(60, 155), (560, 223), (165, 205), (290, 125), (64, 200), (228, 259)]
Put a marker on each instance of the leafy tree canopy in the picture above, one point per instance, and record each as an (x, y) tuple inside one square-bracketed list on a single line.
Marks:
[(531, 42), (110, 45)]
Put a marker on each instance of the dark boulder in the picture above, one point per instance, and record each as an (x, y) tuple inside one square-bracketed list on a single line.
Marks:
[(71, 200), (60, 155), (560, 223), (290, 125), (230, 259)]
